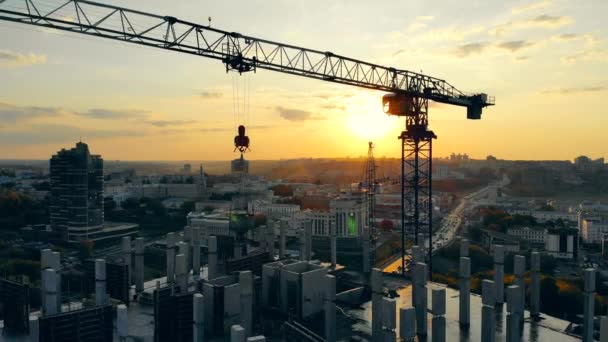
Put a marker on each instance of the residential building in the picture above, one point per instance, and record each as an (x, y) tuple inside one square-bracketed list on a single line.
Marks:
[(593, 229), (531, 235), (562, 243)]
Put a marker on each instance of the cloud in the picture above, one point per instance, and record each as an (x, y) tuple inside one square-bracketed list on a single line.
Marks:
[(515, 45), (11, 114), (111, 114), (57, 133), (210, 94), (419, 23), (470, 49), (540, 21), (296, 114), (591, 55), (165, 123), (576, 90), (14, 59), (531, 7)]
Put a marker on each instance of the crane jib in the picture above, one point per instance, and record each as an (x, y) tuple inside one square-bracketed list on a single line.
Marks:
[(239, 52)]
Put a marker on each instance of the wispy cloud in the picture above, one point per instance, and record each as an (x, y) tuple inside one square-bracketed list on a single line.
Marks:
[(210, 94), (11, 113), (166, 123), (419, 23), (531, 7), (591, 55), (575, 90), (540, 21), (112, 114), (471, 49), (56, 133), (296, 114), (15, 59), (515, 45)]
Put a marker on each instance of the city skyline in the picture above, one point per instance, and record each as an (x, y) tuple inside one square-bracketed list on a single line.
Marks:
[(60, 87)]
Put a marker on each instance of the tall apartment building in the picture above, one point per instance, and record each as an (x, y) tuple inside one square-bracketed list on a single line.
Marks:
[(76, 193)]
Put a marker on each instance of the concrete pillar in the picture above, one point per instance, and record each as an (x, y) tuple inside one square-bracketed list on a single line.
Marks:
[(34, 333), (499, 273), (376, 285), (330, 308), (171, 240), (237, 334), (535, 284), (246, 313), (101, 295), (122, 322), (184, 248), (438, 311), (283, 238), (126, 256), (519, 268), (464, 295), (603, 329), (198, 310), (50, 259), (421, 300), (464, 247), (212, 271), (56, 264), (333, 247), (417, 256), (488, 317), (270, 238), (407, 324), (588, 304), (50, 292), (138, 270), (196, 252), (513, 313), (301, 243), (367, 253), (238, 248), (181, 273), (389, 319), (308, 239)]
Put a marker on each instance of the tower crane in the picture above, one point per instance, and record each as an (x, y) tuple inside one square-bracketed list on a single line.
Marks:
[(408, 92)]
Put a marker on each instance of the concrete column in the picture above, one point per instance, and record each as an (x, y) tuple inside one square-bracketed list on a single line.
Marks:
[(588, 304), (438, 311), (270, 238), (283, 233), (212, 271), (238, 248), (237, 334), (421, 300), (196, 252), (488, 317), (499, 273), (389, 319), (181, 273), (603, 329), (464, 247), (50, 259), (56, 264), (188, 234), (465, 292), (171, 240), (301, 243), (34, 333), (308, 239), (101, 295), (376, 285), (333, 247), (417, 256), (519, 268), (330, 308), (50, 292), (126, 256), (535, 283), (184, 248), (407, 324), (138, 270), (367, 253), (513, 313), (198, 333), (122, 322), (246, 286)]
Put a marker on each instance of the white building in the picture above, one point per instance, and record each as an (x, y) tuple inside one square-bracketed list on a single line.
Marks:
[(528, 234), (210, 224), (544, 216), (593, 229), (561, 243), (273, 210)]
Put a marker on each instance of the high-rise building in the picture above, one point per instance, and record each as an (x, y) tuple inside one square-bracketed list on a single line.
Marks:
[(76, 193)]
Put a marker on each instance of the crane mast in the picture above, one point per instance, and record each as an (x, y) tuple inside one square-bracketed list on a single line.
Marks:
[(408, 92)]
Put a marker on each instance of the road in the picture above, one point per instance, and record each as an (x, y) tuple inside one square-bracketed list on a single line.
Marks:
[(448, 228)]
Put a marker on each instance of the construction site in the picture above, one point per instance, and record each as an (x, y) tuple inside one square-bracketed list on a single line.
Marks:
[(235, 277)]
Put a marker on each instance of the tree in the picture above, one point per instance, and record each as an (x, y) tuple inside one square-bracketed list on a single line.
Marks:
[(386, 224)]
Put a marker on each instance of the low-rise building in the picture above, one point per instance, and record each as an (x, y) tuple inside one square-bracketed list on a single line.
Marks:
[(562, 243), (531, 235), (593, 229)]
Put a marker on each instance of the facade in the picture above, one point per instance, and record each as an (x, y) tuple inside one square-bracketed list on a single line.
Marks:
[(210, 224), (76, 193), (562, 243), (528, 234), (544, 216), (593, 230)]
